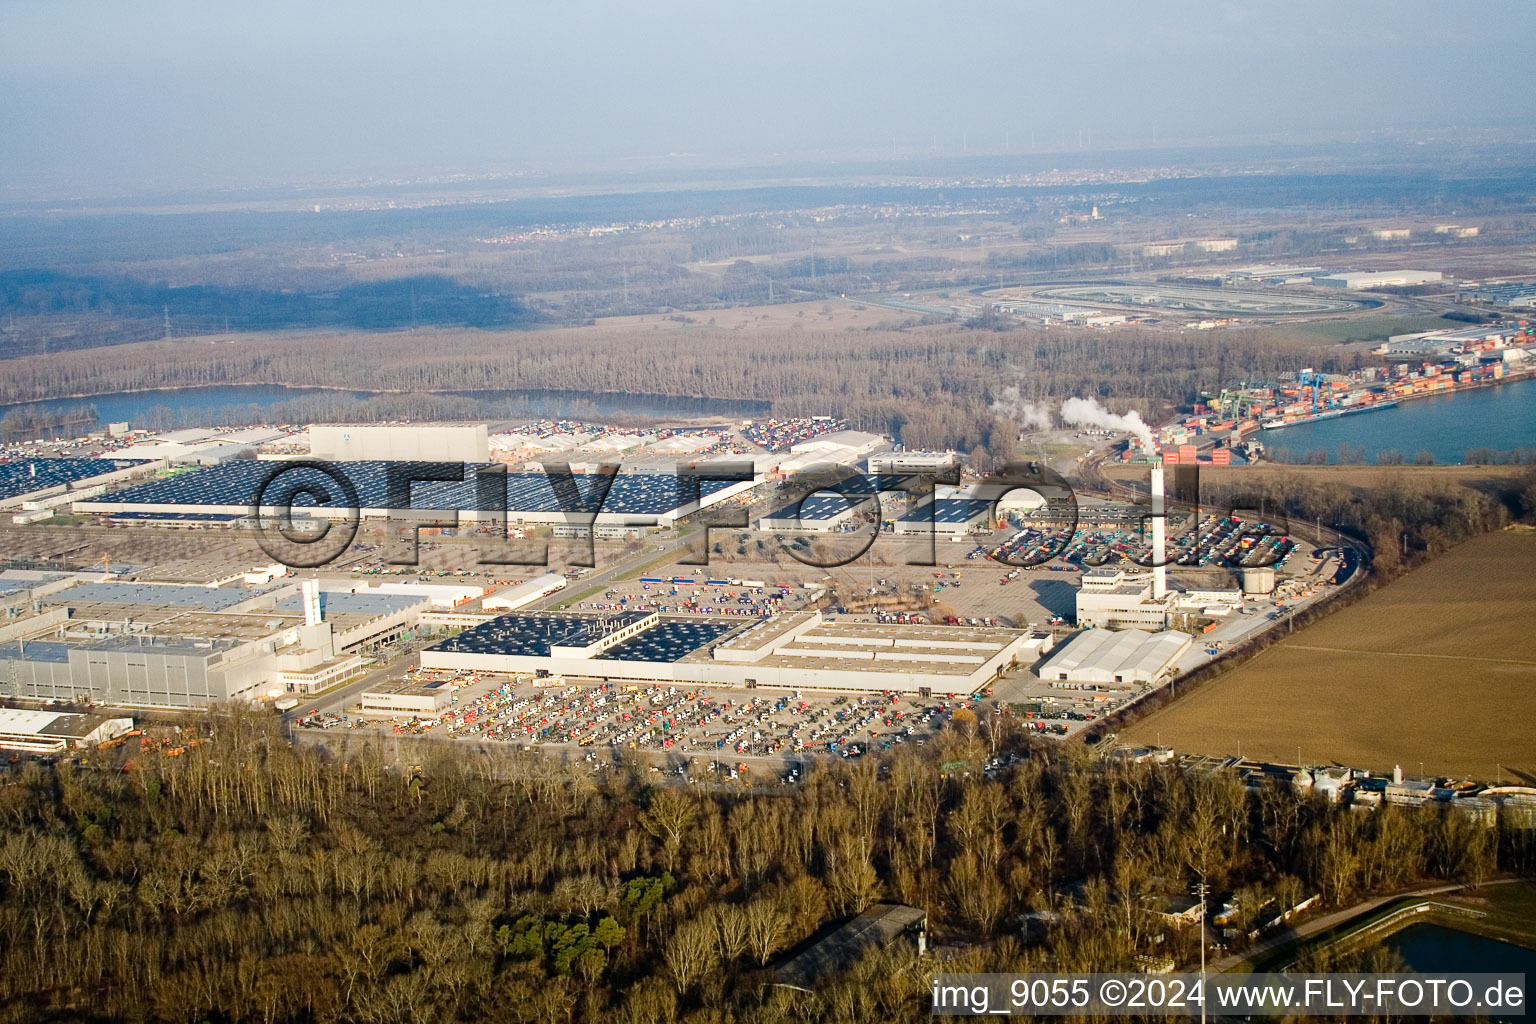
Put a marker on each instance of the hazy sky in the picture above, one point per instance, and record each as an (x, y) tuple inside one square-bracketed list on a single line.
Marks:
[(119, 95)]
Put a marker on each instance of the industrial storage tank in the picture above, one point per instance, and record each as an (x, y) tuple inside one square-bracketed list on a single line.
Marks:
[(1259, 581)]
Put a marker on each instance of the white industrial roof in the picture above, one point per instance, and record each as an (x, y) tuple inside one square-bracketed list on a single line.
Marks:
[(442, 595), (534, 442), (686, 443), (189, 435), (252, 435), (1131, 654), (508, 442), (19, 724), (158, 450), (613, 443), (855, 440), (15, 722)]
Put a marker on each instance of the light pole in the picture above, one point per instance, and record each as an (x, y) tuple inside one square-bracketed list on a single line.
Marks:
[(1201, 889)]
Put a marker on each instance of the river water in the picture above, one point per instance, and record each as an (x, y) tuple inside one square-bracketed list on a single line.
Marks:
[(1501, 417), (242, 404), (1436, 949)]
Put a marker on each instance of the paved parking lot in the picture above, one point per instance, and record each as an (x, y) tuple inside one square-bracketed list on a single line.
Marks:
[(1214, 540), (714, 722), (1057, 708), (731, 727)]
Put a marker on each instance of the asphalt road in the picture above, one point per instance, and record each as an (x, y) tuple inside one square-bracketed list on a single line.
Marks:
[(338, 698)]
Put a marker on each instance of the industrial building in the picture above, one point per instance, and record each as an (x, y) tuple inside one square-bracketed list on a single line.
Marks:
[(201, 446), (1117, 599), (53, 732), (1099, 319), (185, 646), (406, 697), (525, 593), (1514, 295), (1112, 598), (400, 442), (1363, 280), (1044, 312), (606, 532), (442, 596), (816, 513), (1446, 343), (793, 651), (137, 671), (486, 494), (357, 614), (359, 617), (946, 517), (897, 463), (1272, 274), (38, 480), (1116, 659), (878, 927), (858, 443), (1178, 247)]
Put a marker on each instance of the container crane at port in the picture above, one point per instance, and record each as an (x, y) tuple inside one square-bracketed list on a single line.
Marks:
[(1234, 403), (1318, 382)]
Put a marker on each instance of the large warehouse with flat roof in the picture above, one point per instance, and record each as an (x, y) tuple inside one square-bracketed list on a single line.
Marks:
[(946, 517), (793, 651), (401, 442), (485, 491), (185, 646), (27, 480), (816, 513), (1361, 280), (1116, 659)]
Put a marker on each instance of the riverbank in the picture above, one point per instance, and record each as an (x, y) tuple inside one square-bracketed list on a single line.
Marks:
[(1503, 910), (250, 403), (1488, 415)]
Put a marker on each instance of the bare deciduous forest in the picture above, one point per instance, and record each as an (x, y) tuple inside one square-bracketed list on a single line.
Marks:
[(932, 386), (251, 881)]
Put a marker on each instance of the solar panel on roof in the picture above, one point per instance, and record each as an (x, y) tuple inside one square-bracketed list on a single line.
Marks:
[(237, 483), (175, 517), (820, 507), (522, 635), (165, 594), (27, 475), (669, 641), (343, 602), (534, 635), (948, 510)]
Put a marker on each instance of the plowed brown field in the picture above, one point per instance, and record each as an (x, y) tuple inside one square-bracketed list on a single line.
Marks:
[(1438, 667)]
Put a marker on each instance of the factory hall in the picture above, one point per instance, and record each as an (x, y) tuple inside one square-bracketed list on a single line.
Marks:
[(798, 650)]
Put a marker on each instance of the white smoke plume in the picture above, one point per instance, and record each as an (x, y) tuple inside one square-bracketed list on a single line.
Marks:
[(1085, 412), (1028, 415)]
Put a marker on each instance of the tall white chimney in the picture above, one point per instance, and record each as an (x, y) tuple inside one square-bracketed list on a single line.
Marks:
[(311, 602), (1159, 534)]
